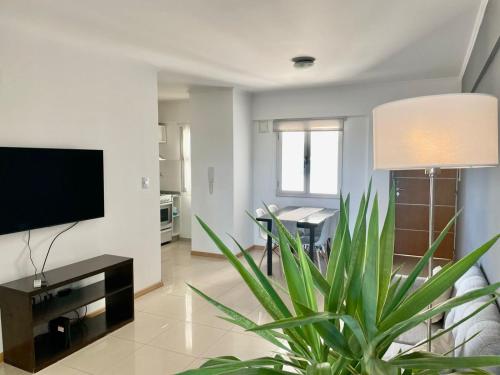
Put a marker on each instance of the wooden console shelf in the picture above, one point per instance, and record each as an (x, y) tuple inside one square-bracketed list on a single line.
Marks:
[(26, 311)]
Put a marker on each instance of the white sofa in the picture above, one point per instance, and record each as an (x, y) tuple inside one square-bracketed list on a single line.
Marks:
[(487, 322)]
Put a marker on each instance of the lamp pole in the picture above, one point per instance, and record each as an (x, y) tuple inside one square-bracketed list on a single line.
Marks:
[(432, 173)]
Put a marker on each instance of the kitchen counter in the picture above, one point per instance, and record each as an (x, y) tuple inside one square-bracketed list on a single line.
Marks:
[(170, 192)]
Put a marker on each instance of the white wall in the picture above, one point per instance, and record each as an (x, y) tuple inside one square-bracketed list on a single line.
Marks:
[(242, 167), (349, 100), (479, 191), (211, 146), (174, 110), (170, 168), (53, 95), (175, 113), (354, 102), (221, 137)]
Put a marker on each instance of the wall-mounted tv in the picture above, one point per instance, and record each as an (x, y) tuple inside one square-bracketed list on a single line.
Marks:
[(41, 187)]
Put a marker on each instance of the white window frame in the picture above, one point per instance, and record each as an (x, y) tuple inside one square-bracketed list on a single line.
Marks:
[(184, 187), (307, 169)]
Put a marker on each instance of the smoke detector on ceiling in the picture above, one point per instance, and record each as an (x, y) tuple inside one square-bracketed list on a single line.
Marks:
[(303, 62)]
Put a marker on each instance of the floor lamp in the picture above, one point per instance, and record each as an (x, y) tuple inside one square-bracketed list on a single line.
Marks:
[(434, 132)]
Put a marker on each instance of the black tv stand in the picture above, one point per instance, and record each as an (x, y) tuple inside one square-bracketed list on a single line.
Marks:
[(26, 311)]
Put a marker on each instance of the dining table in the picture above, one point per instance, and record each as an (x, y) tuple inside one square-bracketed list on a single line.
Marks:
[(308, 218)]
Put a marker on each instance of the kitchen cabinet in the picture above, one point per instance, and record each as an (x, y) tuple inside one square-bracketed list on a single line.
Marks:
[(171, 149)]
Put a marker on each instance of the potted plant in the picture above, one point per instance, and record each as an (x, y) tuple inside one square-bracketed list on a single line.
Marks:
[(363, 306)]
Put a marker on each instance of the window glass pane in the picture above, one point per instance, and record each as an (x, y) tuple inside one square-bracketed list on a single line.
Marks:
[(324, 162), (186, 158), (292, 161)]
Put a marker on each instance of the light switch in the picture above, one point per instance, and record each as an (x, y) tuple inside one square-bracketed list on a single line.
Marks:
[(145, 182)]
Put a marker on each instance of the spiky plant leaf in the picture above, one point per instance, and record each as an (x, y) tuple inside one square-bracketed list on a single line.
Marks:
[(386, 255), (366, 304)]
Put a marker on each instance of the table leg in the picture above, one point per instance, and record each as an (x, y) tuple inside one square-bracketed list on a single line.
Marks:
[(311, 243), (269, 249)]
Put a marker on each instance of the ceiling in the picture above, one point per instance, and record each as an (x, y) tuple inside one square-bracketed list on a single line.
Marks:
[(249, 43)]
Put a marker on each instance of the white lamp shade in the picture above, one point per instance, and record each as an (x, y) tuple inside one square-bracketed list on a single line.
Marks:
[(446, 131)]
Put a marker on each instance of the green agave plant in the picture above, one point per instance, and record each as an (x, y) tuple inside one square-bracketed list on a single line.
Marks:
[(361, 309)]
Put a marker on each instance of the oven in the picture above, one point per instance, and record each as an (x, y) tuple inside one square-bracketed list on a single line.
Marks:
[(166, 215), (166, 211)]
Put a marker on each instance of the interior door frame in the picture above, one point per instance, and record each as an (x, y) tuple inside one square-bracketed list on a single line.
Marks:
[(455, 208)]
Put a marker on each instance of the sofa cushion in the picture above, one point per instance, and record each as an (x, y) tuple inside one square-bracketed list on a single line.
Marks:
[(488, 313), (416, 334), (487, 342), (463, 331), (441, 345), (486, 322), (394, 350), (470, 283), (442, 298), (467, 283), (471, 272), (419, 281)]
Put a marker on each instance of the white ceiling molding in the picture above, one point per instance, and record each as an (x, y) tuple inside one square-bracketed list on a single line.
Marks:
[(475, 31)]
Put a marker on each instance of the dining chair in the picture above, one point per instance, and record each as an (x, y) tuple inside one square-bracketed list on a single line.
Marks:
[(263, 235), (321, 241), (273, 208), (292, 228)]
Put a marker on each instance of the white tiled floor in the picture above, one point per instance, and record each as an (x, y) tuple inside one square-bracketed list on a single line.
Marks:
[(174, 328)]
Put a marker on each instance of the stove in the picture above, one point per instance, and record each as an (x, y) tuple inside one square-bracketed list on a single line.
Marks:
[(166, 219)]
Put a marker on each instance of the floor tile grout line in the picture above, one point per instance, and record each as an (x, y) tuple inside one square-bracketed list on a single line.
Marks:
[(82, 371), (74, 368), (195, 357), (120, 357), (179, 320), (215, 344)]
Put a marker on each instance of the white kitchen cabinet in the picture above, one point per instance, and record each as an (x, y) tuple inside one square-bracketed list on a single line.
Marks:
[(170, 176), (171, 149)]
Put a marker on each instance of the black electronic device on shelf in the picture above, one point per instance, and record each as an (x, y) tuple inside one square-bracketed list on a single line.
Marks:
[(60, 330)]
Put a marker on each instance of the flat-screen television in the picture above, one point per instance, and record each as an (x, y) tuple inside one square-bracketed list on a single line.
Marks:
[(41, 187)]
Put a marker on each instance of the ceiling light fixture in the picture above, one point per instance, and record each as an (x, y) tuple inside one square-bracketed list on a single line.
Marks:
[(303, 62)]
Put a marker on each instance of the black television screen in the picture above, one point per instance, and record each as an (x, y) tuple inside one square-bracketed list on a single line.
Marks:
[(41, 187)]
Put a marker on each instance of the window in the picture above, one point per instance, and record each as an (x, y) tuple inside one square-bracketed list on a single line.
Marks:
[(309, 157), (185, 143)]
